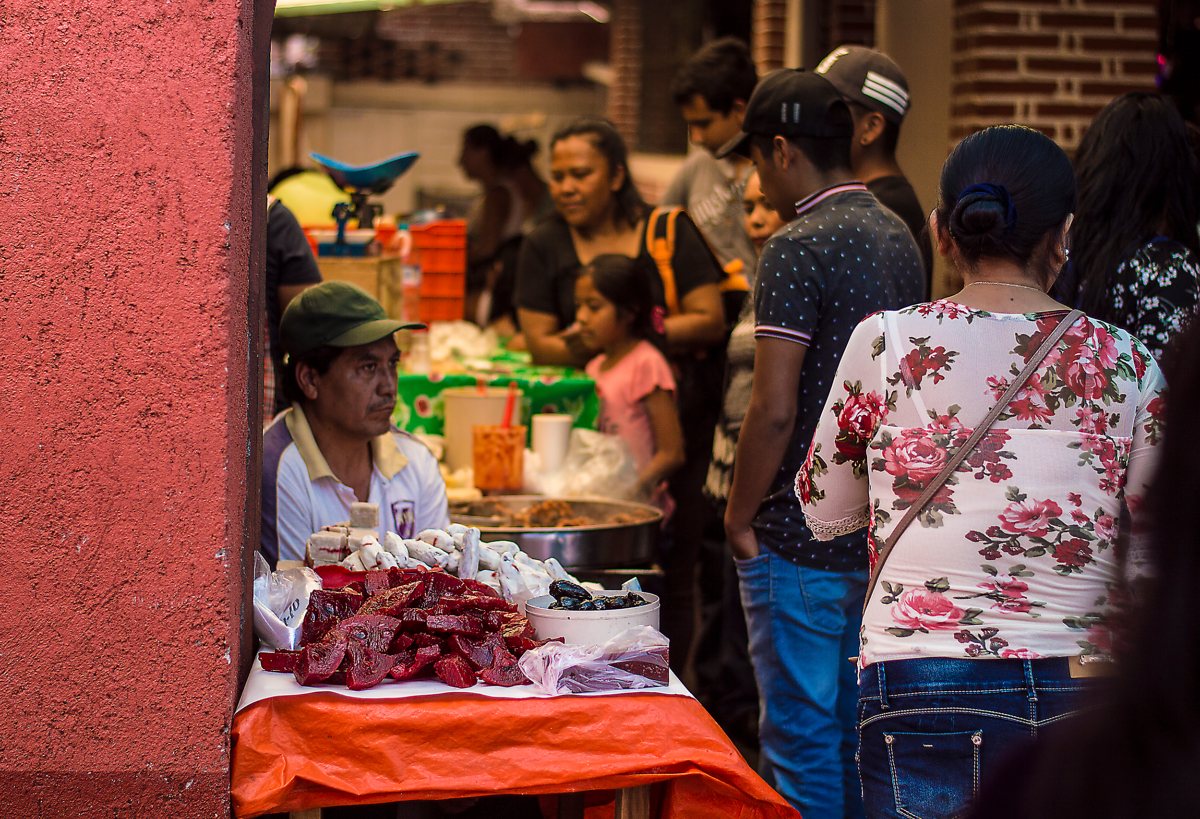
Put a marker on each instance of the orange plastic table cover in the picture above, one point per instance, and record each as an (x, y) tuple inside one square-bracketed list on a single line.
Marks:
[(322, 749)]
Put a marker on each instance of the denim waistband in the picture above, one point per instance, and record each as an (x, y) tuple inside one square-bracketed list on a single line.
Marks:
[(932, 674)]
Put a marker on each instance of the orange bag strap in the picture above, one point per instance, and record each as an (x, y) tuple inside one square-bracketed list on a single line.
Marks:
[(660, 244)]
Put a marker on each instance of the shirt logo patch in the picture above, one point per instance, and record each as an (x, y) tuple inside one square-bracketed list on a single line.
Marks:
[(405, 516)]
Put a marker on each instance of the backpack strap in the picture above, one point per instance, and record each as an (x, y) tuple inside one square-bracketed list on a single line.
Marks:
[(660, 244)]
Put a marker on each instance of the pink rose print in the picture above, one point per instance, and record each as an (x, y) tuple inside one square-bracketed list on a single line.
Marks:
[(1106, 526), (423, 406), (1007, 594), (1080, 517), (997, 386), (804, 484), (1029, 518), (1074, 553), (1019, 654), (1092, 421), (943, 309), (924, 610), (857, 422), (914, 456), (1074, 499)]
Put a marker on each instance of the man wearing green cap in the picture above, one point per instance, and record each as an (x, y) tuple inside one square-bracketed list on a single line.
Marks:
[(336, 445)]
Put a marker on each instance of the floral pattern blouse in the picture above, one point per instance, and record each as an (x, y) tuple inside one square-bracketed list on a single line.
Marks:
[(1155, 292), (1023, 552)]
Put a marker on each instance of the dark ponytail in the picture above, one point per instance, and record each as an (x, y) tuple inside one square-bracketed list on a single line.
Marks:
[(1002, 191)]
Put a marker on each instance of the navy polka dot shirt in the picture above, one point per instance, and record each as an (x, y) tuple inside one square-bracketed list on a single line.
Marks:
[(841, 259)]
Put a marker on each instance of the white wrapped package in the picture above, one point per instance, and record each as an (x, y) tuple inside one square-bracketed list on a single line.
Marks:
[(280, 601), (638, 657)]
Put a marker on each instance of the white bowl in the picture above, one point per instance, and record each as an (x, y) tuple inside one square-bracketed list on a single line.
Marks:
[(589, 628)]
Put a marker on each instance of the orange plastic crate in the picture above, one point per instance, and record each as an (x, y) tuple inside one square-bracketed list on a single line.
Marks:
[(433, 308)]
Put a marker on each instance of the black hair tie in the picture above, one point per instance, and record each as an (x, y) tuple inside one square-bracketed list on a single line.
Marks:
[(1000, 194)]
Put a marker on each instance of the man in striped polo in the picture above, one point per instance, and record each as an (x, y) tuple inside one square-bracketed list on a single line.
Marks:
[(877, 92)]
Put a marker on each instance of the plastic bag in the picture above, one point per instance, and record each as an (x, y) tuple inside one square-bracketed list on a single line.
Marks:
[(636, 658), (596, 464), (280, 601)]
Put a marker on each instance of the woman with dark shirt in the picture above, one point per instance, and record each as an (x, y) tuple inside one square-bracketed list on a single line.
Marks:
[(599, 211), (1135, 254)]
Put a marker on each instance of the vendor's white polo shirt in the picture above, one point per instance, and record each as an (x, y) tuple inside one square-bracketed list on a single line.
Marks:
[(300, 493)]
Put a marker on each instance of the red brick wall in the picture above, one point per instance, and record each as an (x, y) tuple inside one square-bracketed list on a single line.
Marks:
[(769, 29), (1051, 64), (846, 22), (624, 95)]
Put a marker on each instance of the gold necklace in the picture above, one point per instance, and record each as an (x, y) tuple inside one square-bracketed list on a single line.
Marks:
[(1011, 284)]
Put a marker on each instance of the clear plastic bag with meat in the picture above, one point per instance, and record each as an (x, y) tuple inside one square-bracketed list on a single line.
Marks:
[(280, 601), (636, 658), (596, 464)]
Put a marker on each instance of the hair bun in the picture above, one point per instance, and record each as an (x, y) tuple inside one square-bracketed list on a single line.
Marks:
[(983, 211)]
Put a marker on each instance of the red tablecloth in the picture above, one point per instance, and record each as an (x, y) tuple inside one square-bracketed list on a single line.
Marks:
[(323, 749)]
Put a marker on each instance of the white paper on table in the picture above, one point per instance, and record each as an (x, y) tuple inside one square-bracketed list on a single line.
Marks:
[(262, 685)]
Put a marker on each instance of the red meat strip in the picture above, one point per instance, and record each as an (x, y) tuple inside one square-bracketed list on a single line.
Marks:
[(400, 643), (479, 653), (334, 576), (318, 661), (412, 663), (402, 577), (454, 603), (376, 630), (281, 660), (367, 666), (325, 609), (454, 623), (412, 619), (471, 586), (376, 581), (424, 638), (504, 671), (438, 583), (454, 671), (391, 600)]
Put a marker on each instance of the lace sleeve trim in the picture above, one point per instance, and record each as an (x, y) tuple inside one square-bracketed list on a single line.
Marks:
[(828, 530)]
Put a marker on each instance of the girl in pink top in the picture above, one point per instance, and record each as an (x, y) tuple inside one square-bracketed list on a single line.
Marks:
[(614, 307)]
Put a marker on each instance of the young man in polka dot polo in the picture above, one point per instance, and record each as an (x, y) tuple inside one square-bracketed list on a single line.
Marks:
[(841, 257)]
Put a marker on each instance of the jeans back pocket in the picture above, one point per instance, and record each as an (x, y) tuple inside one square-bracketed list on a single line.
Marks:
[(934, 775)]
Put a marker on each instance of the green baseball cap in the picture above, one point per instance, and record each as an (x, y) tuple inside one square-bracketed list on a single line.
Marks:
[(335, 314)]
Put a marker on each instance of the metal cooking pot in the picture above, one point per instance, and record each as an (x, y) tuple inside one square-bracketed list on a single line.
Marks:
[(598, 546)]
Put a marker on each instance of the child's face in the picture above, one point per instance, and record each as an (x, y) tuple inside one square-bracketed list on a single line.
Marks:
[(600, 324)]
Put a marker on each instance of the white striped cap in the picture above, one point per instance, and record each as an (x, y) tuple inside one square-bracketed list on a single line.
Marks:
[(868, 77)]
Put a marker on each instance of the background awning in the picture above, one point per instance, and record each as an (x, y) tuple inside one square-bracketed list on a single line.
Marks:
[(302, 8)]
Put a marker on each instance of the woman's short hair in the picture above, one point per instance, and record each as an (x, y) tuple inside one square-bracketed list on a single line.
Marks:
[(1002, 191), (605, 139)]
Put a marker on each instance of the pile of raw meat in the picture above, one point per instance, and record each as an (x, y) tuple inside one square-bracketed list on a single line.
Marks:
[(364, 628)]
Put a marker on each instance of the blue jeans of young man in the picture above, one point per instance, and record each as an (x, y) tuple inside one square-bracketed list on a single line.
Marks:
[(803, 624), (931, 729)]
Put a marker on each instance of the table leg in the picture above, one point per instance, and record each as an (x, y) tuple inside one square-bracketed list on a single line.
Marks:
[(570, 806), (633, 803)]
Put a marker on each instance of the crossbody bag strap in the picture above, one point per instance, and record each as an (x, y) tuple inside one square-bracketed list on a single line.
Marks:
[(972, 441)]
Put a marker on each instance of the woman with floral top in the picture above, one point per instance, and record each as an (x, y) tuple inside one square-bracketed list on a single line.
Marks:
[(1018, 565), (1135, 250)]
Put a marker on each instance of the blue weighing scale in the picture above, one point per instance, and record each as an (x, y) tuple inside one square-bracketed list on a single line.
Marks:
[(360, 182)]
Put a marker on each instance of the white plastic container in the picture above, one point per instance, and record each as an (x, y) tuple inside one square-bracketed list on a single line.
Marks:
[(589, 628), (551, 436), (468, 407)]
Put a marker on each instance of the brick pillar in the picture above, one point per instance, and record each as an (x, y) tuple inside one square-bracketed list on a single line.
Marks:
[(1051, 64), (848, 22), (624, 96), (769, 31), (133, 193)]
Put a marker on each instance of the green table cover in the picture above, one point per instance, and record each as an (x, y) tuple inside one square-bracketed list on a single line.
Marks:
[(543, 389)]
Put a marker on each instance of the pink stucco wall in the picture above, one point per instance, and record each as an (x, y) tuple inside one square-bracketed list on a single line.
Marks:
[(125, 224)]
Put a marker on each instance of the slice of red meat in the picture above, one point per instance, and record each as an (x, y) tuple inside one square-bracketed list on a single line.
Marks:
[(454, 623), (479, 653), (400, 642), (412, 619), (454, 671), (471, 586), (415, 663), (493, 620), (504, 670), (376, 630), (281, 660), (454, 603), (334, 576), (367, 666), (318, 661), (423, 639), (437, 583), (391, 600), (376, 581), (325, 609), (402, 577)]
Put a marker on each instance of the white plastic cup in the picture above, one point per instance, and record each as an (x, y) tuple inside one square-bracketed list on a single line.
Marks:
[(551, 436)]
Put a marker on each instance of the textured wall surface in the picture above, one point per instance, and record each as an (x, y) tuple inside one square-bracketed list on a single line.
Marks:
[(125, 224)]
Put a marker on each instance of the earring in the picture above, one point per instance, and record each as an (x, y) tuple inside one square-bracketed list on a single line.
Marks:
[(1066, 254)]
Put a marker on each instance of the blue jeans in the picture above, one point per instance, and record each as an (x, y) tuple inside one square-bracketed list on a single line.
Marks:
[(803, 625), (931, 729)]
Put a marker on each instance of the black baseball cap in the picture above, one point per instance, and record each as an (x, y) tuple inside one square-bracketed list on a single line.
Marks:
[(335, 314), (791, 102), (868, 77)]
